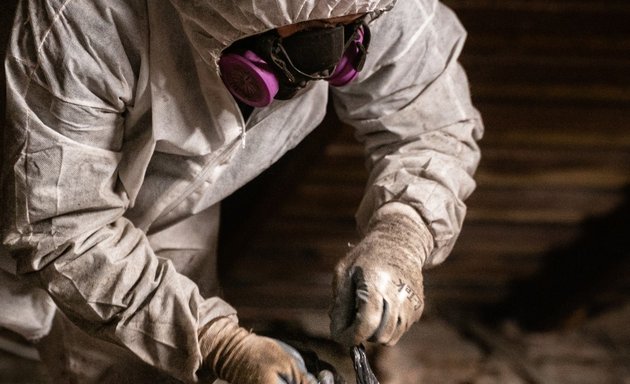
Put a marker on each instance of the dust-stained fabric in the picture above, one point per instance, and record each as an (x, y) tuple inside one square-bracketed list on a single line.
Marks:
[(412, 110), (120, 129)]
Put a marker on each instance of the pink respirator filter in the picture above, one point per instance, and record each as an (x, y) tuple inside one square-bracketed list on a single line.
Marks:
[(346, 69), (249, 78)]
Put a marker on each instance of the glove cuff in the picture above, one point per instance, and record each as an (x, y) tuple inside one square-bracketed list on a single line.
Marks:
[(403, 219), (216, 340)]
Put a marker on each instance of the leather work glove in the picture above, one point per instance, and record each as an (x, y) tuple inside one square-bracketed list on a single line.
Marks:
[(238, 356), (377, 286)]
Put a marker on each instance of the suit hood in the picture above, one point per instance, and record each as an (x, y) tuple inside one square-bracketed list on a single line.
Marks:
[(212, 25)]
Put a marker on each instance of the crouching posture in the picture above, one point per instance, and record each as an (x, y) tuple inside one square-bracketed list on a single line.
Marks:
[(129, 121)]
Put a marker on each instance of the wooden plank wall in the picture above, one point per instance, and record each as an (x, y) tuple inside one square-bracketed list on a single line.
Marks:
[(552, 82)]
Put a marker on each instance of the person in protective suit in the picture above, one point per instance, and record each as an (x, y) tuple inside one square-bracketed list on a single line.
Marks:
[(129, 121)]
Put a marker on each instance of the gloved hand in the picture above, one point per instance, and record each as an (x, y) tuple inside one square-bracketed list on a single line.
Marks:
[(377, 287), (240, 357)]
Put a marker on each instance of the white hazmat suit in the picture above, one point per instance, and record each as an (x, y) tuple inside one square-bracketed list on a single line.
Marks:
[(121, 140)]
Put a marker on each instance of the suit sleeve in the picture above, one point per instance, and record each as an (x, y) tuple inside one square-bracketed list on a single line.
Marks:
[(72, 69), (412, 111)]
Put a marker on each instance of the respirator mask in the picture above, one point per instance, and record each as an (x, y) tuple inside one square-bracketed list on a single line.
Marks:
[(264, 67)]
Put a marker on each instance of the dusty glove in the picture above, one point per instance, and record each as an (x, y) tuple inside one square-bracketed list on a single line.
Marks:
[(238, 356), (377, 287)]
